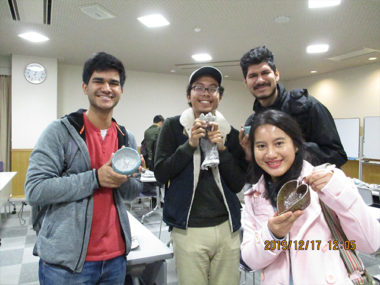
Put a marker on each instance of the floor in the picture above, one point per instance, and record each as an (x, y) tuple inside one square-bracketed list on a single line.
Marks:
[(19, 266)]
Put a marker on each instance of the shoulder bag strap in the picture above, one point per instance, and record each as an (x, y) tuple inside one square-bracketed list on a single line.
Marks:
[(349, 256)]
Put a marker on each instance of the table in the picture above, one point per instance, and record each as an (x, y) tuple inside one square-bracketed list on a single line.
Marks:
[(151, 251), (5, 189)]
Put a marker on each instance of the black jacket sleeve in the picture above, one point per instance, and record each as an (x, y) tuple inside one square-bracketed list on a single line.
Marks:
[(171, 157), (232, 163), (323, 141)]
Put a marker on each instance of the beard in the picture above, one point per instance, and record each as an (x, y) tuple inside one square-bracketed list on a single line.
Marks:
[(266, 97)]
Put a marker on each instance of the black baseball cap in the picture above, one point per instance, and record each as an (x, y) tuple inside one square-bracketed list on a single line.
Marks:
[(206, 70)]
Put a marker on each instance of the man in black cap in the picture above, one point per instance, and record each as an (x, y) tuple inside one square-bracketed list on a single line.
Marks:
[(201, 206)]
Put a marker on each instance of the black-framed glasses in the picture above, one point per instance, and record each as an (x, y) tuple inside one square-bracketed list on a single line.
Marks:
[(201, 89)]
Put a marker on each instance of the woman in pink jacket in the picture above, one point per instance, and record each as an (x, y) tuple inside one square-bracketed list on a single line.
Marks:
[(298, 247)]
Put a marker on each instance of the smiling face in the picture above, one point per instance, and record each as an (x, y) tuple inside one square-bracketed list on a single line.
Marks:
[(103, 90), (204, 102), (261, 81), (274, 150)]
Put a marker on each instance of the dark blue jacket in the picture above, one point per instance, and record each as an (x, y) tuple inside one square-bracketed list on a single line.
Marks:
[(174, 163)]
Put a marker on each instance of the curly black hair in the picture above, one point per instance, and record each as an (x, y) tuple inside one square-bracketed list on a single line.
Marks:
[(257, 55)]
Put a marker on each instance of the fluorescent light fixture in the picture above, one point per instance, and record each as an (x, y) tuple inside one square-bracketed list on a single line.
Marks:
[(154, 21), (323, 3), (34, 37), (200, 57), (313, 71), (318, 48), (372, 58)]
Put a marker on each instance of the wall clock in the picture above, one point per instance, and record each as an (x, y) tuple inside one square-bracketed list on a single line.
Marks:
[(35, 73)]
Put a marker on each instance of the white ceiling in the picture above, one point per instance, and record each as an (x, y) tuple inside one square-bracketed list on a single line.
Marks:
[(229, 28)]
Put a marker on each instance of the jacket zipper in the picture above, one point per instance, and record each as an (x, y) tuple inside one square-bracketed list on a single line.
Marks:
[(83, 238)]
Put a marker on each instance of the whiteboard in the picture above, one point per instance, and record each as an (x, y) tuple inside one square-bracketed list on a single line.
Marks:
[(349, 133), (371, 141)]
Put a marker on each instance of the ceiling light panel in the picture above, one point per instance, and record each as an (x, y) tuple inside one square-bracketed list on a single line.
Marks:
[(317, 48), (154, 21), (201, 57), (313, 4), (34, 37)]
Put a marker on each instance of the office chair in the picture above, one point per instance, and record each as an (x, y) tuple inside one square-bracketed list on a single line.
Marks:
[(243, 267), (366, 194)]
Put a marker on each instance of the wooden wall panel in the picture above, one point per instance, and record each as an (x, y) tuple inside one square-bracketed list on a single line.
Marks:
[(19, 163), (351, 168), (371, 171)]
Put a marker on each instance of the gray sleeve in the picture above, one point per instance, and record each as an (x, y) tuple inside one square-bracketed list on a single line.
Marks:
[(131, 140), (133, 187), (47, 179)]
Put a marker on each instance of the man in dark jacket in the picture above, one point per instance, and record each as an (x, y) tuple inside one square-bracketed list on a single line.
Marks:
[(201, 206), (261, 77), (150, 139)]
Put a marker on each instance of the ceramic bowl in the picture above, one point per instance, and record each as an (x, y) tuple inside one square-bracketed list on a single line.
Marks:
[(126, 161), (293, 198)]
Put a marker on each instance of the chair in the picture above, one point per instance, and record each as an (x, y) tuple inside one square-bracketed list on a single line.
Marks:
[(366, 194), (243, 267), (157, 196), (141, 200)]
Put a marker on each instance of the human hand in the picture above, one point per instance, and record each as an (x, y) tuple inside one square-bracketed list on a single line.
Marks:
[(319, 179), (139, 170), (197, 131), (215, 136), (108, 177), (280, 225), (245, 143)]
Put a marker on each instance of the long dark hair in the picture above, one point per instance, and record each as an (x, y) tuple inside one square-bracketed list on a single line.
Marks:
[(287, 124)]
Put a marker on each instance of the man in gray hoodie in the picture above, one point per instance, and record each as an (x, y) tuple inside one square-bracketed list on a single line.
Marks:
[(83, 232)]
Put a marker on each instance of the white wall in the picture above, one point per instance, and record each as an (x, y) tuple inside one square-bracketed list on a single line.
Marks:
[(148, 94), (348, 93), (33, 106)]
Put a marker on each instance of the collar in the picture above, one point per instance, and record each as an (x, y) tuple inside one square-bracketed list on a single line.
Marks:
[(277, 103), (187, 119)]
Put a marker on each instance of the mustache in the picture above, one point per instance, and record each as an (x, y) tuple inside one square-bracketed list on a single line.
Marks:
[(260, 85)]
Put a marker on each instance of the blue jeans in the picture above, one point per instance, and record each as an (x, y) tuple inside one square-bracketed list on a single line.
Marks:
[(110, 272)]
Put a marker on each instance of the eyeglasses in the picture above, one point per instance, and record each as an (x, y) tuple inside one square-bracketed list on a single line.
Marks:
[(201, 89)]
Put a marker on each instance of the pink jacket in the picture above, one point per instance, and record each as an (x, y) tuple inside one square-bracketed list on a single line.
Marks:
[(320, 265)]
